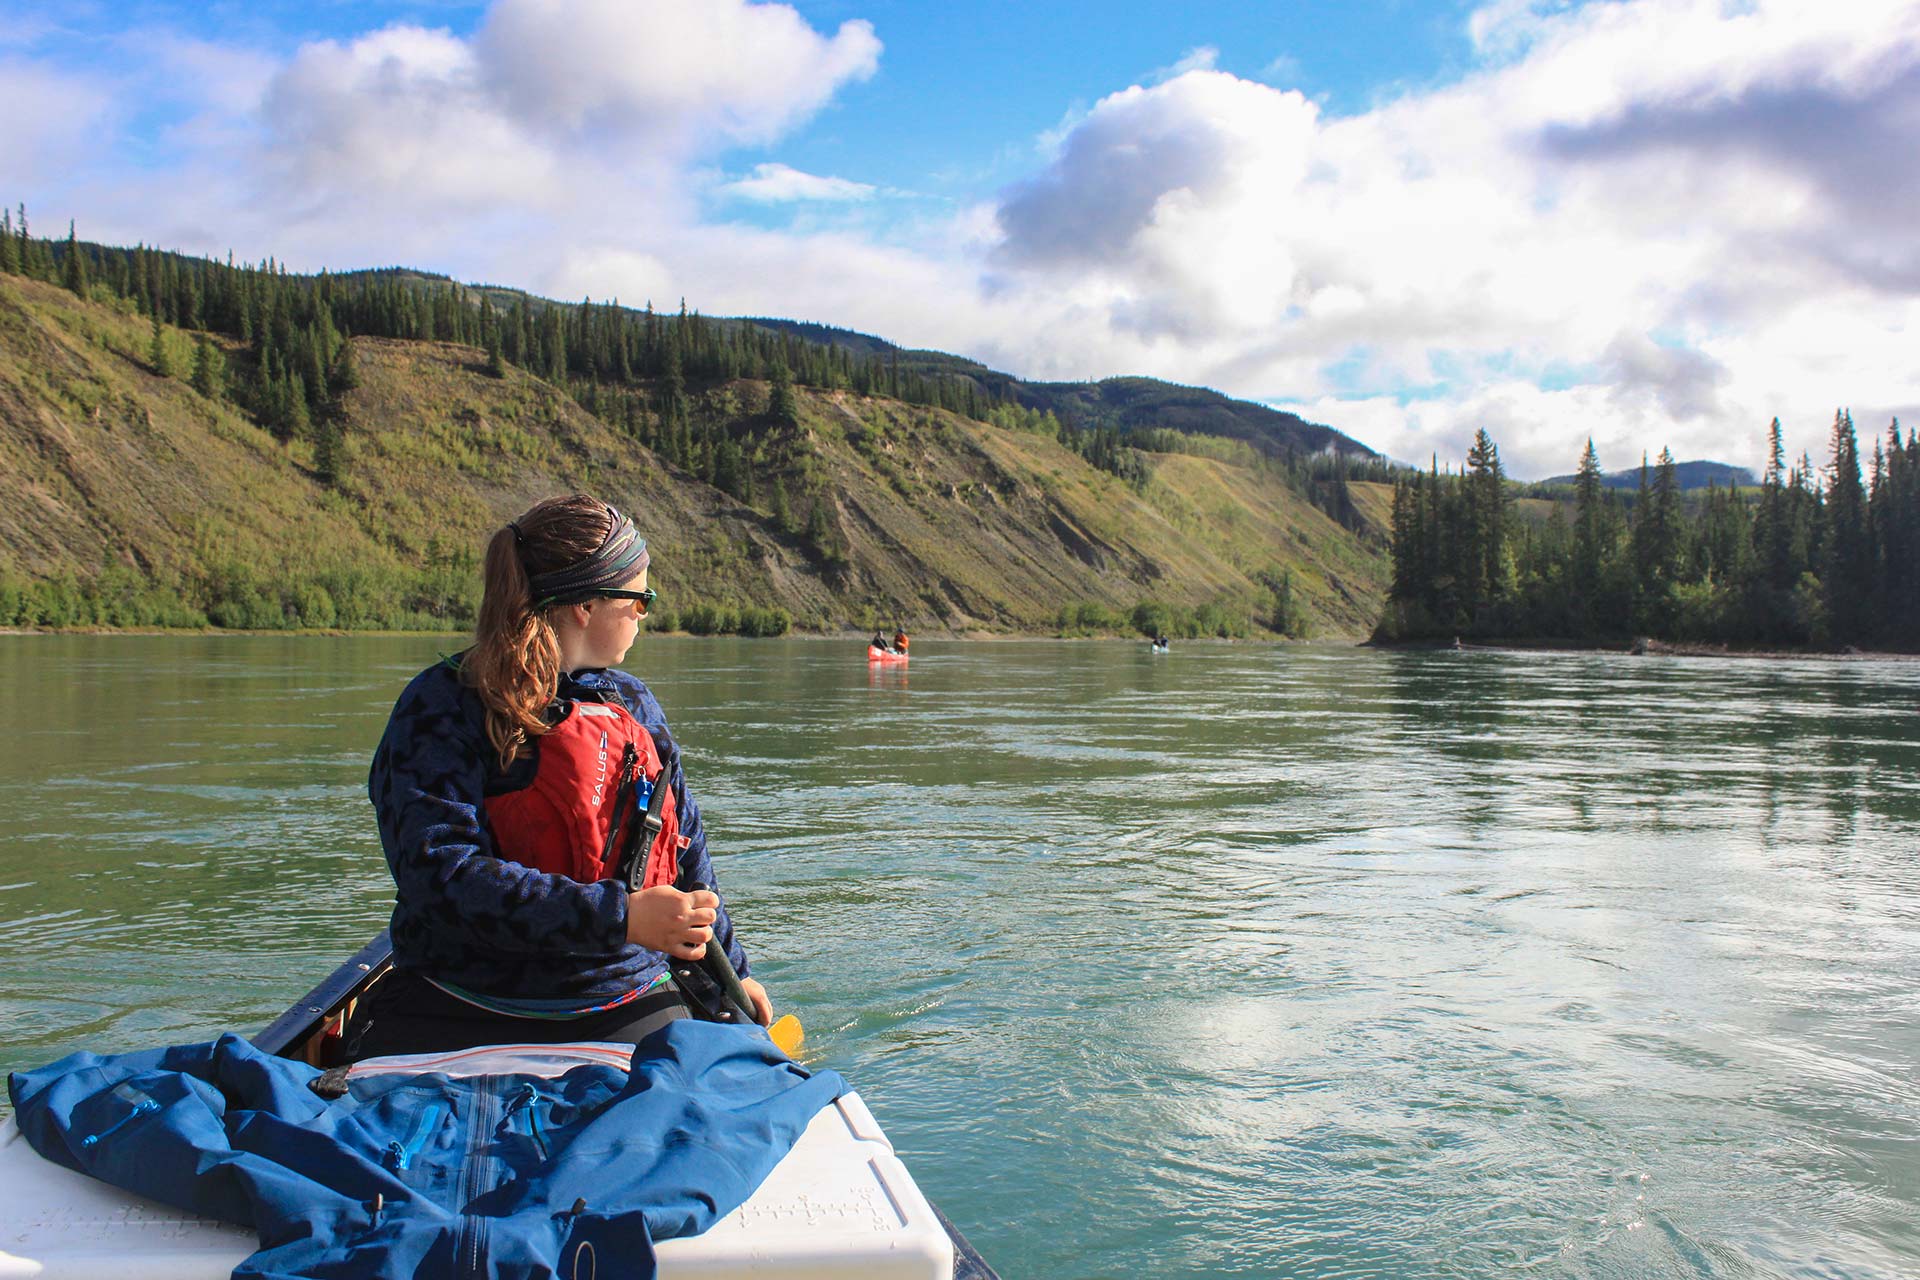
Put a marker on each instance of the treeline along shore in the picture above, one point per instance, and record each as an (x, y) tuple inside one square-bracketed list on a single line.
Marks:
[(192, 443), (186, 442), (1811, 558)]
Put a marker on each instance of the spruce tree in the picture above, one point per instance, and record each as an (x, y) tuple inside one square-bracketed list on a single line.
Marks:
[(729, 468), (9, 255), (1655, 542), (553, 352), (1846, 569), (158, 358), (1588, 520), (1892, 513), (1774, 530), (1401, 543), (247, 305), (1484, 548), (313, 375), (328, 450), (782, 510), (1287, 617), (819, 531), (1640, 545), (1665, 517), (73, 264), (296, 420), (781, 403), (344, 375), (206, 368)]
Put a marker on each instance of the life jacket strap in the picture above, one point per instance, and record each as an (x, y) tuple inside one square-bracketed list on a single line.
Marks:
[(650, 823)]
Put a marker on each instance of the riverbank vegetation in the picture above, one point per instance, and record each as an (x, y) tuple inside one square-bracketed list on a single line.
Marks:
[(1821, 558)]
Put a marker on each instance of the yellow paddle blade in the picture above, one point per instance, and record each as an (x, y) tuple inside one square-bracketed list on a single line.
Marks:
[(787, 1034)]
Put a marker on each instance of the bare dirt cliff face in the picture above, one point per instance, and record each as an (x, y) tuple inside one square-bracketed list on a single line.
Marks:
[(924, 517)]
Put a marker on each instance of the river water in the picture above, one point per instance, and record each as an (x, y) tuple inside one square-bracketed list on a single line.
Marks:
[(1243, 961)]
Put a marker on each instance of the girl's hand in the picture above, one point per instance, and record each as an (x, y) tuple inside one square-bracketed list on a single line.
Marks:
[(762, 1003), (676, 924)]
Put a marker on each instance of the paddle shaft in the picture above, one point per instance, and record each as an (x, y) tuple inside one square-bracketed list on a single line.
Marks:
[(720, 968), (714, 961)]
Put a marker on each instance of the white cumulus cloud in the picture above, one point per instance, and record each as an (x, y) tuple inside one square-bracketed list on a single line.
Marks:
[(50, 117), (1594, 234), (776, 183), (676, 70), (404, 114), (557, 124)]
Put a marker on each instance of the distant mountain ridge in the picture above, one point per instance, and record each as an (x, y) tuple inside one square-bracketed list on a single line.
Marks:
[(1122, 403), (1689, 475)]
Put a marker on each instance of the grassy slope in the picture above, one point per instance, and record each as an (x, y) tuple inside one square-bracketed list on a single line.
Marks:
[(947, 523)]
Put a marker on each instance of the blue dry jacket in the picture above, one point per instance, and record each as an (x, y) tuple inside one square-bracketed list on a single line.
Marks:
[(523, 1161), (465, 912)]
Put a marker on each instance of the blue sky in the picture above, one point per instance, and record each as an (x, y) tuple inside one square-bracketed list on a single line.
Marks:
[(964, 90), (1655, 222)]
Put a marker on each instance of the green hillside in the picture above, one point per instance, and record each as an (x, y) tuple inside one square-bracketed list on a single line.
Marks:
[(130, 498)]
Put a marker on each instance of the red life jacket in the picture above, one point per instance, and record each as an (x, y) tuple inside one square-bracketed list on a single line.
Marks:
[(594, 772)]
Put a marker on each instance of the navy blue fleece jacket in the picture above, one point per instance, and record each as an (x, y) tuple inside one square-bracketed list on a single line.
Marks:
[(465, 912)]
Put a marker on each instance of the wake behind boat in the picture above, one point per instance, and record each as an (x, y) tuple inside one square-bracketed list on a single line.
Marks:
[(839, 1203)]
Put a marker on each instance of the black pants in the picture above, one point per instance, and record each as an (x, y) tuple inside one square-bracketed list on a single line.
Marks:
[(404, 1013)]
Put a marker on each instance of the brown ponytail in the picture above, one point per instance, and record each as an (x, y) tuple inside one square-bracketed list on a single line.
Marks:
[(514, 664)]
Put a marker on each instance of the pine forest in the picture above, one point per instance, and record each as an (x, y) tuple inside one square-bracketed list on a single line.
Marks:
[(1819, 558)]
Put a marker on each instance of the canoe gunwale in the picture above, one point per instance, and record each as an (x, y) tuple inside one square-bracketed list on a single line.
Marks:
[(292, 1034), (301, 1031)]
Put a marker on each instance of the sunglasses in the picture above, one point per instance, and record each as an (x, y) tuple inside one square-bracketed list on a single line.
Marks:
[(645, 597)]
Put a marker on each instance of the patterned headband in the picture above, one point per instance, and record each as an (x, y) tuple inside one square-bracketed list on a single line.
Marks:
[(622, 555)]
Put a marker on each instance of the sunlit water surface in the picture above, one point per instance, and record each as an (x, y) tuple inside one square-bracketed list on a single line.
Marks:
[(1247, 960)]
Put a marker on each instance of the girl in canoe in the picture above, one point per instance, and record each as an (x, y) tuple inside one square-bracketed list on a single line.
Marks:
[(516, 787)]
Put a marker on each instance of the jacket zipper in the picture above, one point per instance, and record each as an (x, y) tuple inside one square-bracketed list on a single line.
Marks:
[(527, 1097), (142, 1105), (400, 1156), (476, 1170)]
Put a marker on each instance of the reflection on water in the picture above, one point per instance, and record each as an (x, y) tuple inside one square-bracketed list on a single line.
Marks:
[(1242, 961)]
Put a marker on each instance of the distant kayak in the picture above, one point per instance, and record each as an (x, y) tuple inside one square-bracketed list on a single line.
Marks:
[(876, 654)]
